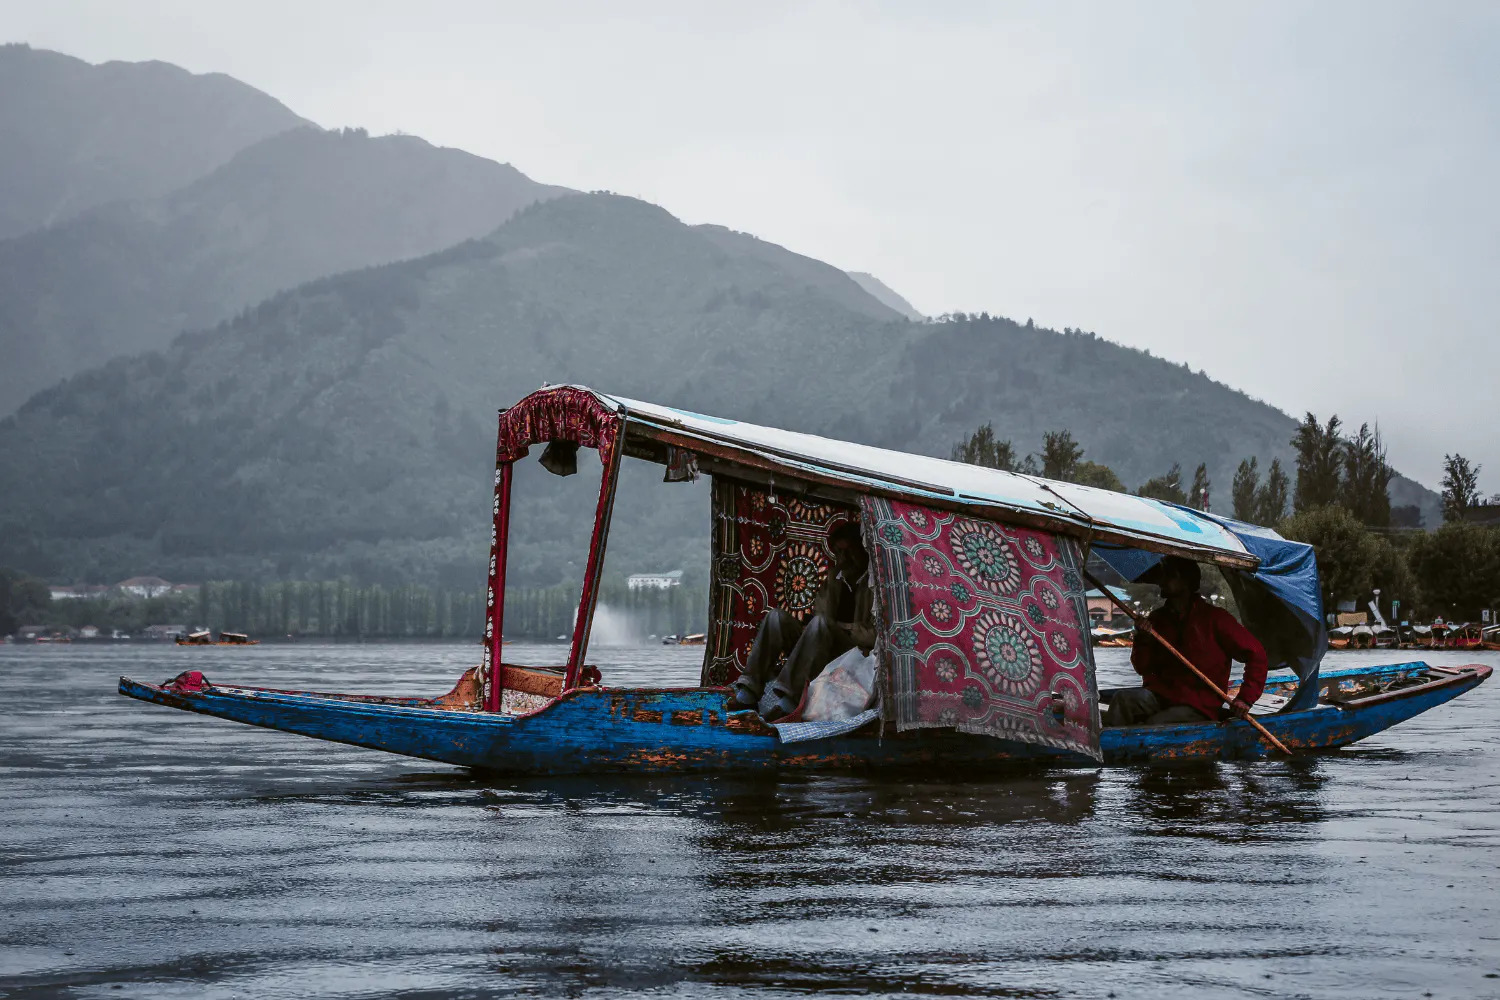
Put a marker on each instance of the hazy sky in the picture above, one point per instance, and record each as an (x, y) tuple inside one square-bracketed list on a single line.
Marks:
[(1300, 199)]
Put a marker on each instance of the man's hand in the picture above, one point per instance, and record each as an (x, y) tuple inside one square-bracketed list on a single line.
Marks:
[(1238, 709)]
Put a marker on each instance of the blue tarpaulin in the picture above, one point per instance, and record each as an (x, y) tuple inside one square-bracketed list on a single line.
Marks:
[(1281, 602)]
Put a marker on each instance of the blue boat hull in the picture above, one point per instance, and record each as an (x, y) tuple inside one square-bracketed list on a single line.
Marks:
[(686, 729)]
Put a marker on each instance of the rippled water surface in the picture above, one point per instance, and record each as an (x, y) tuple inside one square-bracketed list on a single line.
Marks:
[(153, 853)]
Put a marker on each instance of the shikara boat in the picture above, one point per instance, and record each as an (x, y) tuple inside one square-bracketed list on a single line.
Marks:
[(983, 651), (205, 638)]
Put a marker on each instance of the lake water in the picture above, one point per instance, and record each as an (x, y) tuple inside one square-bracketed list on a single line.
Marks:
[(147, 852)]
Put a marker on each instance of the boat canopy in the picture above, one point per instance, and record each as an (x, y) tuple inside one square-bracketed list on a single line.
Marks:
[(1274, 581), (845, 470)]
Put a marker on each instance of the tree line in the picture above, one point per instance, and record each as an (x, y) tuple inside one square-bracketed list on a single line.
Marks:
[(1061, 458), (1339, 503), (342, 609)]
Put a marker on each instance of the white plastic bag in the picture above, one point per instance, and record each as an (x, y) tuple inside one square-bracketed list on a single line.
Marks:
[(845, 688)]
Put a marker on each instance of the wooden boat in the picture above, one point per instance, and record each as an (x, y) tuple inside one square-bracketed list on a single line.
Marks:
[(1111, 638), (601, 729), (691, 639), (237, 639), (203, 637), (983, 653)]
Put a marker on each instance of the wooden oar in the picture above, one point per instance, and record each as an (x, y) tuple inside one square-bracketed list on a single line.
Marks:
[(1138, 619)]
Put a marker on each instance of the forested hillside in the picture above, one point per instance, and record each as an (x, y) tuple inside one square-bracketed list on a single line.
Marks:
[(302, 204), (346, 427), (75, 135)]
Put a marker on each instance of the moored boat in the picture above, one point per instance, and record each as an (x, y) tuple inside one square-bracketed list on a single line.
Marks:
[(203, 637), (983, 651)]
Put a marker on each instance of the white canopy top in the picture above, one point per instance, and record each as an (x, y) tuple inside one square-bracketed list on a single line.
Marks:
[(1067, 508)]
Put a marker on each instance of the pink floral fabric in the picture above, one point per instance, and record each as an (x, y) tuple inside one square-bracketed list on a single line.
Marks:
[(984, 627)]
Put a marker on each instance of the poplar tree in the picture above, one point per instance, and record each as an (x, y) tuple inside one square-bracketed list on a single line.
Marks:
[(1270, 499), (1460, 486), (1243, 493), (1320, 452), (1367, 478)]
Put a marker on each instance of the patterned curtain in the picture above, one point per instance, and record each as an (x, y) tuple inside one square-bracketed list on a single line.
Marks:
[(770, 550), (984, 627)]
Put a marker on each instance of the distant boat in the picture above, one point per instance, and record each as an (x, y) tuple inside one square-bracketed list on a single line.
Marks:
[(1113, 638), (204, 637), (692, 639)]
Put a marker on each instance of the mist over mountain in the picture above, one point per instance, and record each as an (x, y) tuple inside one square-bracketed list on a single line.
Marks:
[(75, 135), (347, 426), (304, 203), (885, 294)]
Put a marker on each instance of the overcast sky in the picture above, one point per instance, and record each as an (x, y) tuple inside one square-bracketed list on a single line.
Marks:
[(1299, 199)]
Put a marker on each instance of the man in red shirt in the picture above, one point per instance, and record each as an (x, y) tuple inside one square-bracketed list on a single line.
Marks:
[(1208, 636)]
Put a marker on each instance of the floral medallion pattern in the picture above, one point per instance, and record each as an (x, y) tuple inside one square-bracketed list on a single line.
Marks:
[(769, 551), (983, 626), (803, 568)]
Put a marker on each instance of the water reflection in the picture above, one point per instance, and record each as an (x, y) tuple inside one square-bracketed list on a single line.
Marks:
[(1228, 802)]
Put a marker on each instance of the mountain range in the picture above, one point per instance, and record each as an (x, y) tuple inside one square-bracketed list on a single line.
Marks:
[(304, 203), (344, 425), (75, 135)]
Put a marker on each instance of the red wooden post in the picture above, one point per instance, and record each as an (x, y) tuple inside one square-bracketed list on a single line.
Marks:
[(495, 601), (590, 595)]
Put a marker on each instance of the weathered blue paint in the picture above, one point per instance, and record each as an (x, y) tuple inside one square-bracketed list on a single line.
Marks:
[(686, 729)]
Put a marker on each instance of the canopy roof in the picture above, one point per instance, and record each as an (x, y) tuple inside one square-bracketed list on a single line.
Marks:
[(1065, 508), (1275, 581)]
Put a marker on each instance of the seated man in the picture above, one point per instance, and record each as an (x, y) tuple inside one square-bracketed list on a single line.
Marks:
[(1208, 636), (843, 617)]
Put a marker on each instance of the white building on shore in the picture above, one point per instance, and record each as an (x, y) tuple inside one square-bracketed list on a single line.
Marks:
[(654, 581)]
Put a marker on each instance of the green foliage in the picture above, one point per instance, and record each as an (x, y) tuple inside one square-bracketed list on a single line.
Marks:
[(1100, 476), (1319, 463), (1391, 574), (1365, 487), (1460, 487), (1256, 502), (1346, 551), (1062, 459), (345, 429), (1270, 499), (1060, 455), (983, 449), (24, 600), (341, 609), (1243, 493), (1458, 568), (123, 611), (1166, 487)]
